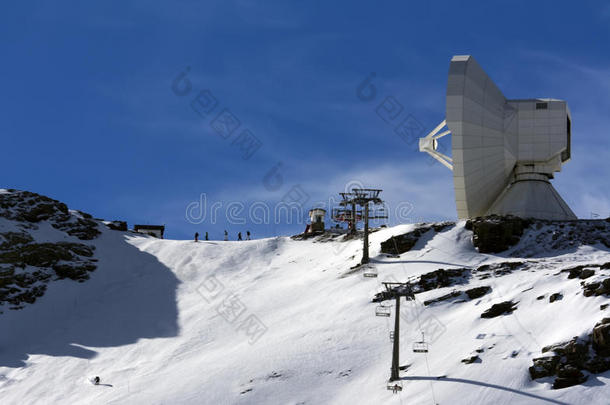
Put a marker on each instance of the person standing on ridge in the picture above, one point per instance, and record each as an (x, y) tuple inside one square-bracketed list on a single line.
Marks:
[(247, 235), (206, 236), (196, 236), (226, 235), (239, 236)]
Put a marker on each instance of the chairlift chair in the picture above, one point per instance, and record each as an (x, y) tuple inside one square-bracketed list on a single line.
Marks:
[(370, 272), (420, 346), (382, 310)]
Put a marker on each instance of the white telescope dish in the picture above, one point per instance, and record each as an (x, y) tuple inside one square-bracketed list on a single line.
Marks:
[(504, 152)]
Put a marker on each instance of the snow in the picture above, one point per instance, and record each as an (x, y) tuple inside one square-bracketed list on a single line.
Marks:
[(147, 324)]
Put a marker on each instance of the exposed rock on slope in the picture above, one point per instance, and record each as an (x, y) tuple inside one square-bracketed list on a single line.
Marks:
[(31, 208), (403, 243), (27, 266), (571, 358), (494, 234), (506, 307)]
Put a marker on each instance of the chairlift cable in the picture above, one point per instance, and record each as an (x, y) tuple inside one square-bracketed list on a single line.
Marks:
[(427, 363)]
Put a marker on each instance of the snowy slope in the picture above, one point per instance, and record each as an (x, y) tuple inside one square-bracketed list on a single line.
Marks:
[(148, 323)]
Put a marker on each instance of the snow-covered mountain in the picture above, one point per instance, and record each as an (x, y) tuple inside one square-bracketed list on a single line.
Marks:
[(286, 321)]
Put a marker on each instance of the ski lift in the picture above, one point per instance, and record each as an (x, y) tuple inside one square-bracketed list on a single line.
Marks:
[(370, 272), (382, 310), (395, 386), (420, 346)]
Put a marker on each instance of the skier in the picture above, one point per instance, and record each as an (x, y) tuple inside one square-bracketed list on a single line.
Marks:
[(247, 235), (196, 236), (239, 236), (206, 236), (96, 380), (226, 235)]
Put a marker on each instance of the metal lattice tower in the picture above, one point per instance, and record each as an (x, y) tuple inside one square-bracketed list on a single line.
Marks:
[(364, 197)]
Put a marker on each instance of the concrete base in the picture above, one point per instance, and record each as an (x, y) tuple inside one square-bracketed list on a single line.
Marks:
[(532, 199)]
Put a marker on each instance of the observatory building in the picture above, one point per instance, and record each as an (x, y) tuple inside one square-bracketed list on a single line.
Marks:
[(504, 152)]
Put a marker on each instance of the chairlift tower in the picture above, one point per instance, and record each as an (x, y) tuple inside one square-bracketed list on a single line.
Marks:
[(364, 197), (397, 290)]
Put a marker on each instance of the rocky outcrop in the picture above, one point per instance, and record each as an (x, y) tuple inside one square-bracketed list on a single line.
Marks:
[(436, 279), (472, 359), (498, 269), (27, 266), (571, 358), (403, 243), (442, 278), (601, 337), (596, 288), (581, 272), (547, 236), (31, 208), (568, 376), (462, 296), (503, 308), (495, 234), (453, 294), (544, 367), (477, 292), (117, 225)]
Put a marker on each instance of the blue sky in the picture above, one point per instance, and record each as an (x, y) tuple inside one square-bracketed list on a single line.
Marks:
[(89, 116)]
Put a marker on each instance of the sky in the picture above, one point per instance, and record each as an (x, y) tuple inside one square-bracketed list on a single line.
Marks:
[(212, 115)]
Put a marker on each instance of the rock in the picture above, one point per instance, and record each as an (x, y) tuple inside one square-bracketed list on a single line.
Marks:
[(575, 355), (117, 225), (14, 239), (540, 297), (477, 292), (472, 293), (597, 365), (78, 272), (84, 229), (445, 297), (586, 273), (575, 272), (596, 288), (603, 306), (502, 308), (601, 337), (471, 359), (568, 376), (498, 269), (32, 208), (44, 254), (403, 243), (494, 234), (555, 297), (544, 367), (442, 278), (25, 266), (574, 352)]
